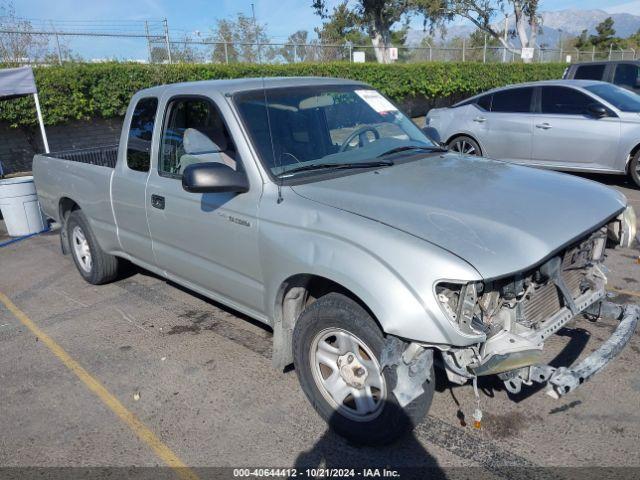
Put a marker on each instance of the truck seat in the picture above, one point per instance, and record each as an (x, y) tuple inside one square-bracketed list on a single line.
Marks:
[(200, 148)]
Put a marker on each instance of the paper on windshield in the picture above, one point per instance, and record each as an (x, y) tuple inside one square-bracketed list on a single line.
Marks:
[(376, 101)]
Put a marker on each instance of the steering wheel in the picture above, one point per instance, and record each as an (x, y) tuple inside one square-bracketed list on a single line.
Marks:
[(360, 133)]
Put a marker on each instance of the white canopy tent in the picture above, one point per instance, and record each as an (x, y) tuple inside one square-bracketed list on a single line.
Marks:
[(19, 82)]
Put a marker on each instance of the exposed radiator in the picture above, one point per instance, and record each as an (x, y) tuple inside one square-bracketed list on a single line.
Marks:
[(546, 300)]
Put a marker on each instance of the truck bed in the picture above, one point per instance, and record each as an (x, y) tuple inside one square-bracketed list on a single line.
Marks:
[(81, 176), (104, 156)]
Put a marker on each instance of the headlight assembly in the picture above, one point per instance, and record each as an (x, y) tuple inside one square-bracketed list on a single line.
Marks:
[(629, 227), (459, 303)]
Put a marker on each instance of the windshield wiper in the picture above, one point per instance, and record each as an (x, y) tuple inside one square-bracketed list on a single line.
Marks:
[(338, 166), (412, 147)]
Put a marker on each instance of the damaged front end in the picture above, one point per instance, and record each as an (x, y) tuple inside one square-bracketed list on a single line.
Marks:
[(517, 314)]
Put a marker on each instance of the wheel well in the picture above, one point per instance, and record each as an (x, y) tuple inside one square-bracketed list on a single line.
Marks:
[(631, 155), (294, 295), (458, 135), (65, 207)]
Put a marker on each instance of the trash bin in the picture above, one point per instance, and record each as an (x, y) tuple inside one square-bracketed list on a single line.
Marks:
[(20, 207)]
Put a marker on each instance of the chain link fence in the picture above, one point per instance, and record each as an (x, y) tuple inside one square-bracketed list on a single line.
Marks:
[(57, 47)]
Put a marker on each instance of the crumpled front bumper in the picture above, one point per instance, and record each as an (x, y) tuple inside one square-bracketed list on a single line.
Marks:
[(563, 380)]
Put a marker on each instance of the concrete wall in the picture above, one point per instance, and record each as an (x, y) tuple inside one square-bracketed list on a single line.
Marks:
[(18, 146)]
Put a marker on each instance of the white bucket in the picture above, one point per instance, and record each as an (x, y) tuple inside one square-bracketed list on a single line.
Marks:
[(20, 207)]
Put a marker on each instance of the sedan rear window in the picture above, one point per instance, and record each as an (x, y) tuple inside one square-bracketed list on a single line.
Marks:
[(513, 100), (617, 96)]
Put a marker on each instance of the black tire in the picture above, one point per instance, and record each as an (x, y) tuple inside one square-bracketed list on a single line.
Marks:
[(338, 311), (468, 144), (103, 267), (634, 166)]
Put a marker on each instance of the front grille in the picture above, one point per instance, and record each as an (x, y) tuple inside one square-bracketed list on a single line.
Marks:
[(546, 299)]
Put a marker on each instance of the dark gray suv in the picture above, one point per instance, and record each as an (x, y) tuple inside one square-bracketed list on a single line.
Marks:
[(624, 73)]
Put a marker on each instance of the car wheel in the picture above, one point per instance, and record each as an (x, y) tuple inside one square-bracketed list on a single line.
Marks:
[(465, 146), (95, 266), (634, 169), (337, 347)]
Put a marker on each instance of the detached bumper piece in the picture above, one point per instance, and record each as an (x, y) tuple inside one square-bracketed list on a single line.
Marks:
[(563, 380)]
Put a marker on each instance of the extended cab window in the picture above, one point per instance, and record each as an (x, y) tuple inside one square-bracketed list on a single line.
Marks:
[(589, 72), (513, 100), (140, 133), (194, 132), (564, 101)]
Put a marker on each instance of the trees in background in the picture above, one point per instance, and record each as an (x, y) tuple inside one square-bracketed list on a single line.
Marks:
[(486, 15), (16, 48), (378, 19), (241, 39), (604, 39)]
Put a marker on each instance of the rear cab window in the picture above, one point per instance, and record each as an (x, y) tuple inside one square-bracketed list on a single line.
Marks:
[(590, 72), (140, 134)]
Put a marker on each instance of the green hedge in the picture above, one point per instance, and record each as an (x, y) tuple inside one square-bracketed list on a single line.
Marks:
[(85, 91)]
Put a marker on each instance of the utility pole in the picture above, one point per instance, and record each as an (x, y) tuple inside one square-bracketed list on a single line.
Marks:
[(506, 29), (255, 29), (59, 50), (146, 32), (57, 44), (484, 50), (166, 39), (560, 30)]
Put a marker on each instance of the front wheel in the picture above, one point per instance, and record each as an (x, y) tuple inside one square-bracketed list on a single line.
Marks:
[(634, 169), (337, 347), (465, 146)]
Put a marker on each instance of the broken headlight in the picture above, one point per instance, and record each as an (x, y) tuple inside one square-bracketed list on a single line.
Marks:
[(460, 302), (629, 227), (623, 229)]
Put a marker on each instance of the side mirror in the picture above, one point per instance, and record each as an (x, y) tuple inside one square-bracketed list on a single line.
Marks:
[(211, 177), (598, 111)]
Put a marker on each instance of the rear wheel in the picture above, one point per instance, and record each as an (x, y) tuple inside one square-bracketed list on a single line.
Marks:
[(95, 266), (634, 169), (337, 347), (465, 146)]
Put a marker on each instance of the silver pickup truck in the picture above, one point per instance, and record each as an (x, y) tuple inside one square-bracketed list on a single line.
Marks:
[(315, 206)]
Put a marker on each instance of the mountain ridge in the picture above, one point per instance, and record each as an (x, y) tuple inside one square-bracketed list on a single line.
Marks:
[(556, 23)]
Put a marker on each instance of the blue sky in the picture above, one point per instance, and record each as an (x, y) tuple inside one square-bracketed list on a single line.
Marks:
[(281, 16)]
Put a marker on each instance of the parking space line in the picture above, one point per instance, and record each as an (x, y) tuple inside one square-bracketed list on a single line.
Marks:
[(139, 428)]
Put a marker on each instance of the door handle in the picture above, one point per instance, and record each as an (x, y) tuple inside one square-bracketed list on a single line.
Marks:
[(157, 201), (479, 119), (544, 126)]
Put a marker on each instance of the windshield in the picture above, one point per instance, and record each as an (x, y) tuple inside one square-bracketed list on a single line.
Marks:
[(619, 97), (325, 126)]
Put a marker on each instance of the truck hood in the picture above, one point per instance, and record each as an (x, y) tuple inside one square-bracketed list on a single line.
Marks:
[(499, 217)]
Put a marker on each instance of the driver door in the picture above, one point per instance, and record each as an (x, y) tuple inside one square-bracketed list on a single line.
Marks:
[(207, 241)]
